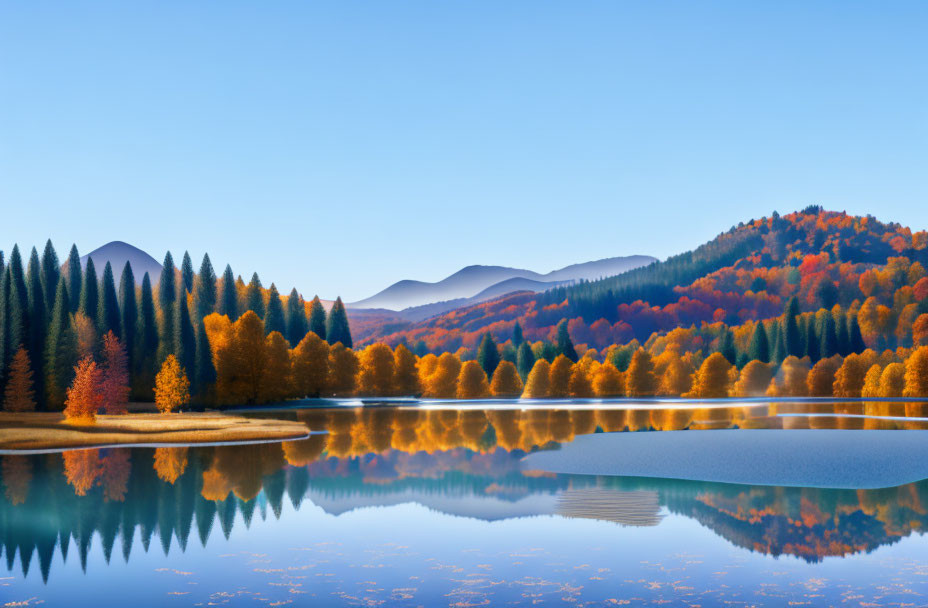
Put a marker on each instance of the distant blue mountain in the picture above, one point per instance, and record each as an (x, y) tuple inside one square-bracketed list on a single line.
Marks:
[(117, 254)]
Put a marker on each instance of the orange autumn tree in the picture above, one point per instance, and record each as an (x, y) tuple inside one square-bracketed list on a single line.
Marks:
[(579, 384), (406, 374), (892, 380), (378, 371), (790, 381), (754, 379), (712, 378), (536, 384), (821, 377), (84, 396), (506, 381), (275, 385), (343, 371), (170, 463), (916, 373), (872, 381), (559, 377), (19, 395), (442, 383), (472, 382), (608, 381), (309, 366), (172, 388), (640, 380), (114, 376)]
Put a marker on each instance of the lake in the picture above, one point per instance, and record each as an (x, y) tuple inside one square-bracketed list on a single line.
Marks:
[(439, 506)]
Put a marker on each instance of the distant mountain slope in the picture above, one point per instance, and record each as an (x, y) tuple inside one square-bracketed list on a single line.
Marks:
[(117, 253), (478, 283)]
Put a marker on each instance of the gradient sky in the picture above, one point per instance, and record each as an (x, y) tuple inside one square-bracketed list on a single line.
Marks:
[(341, 146)]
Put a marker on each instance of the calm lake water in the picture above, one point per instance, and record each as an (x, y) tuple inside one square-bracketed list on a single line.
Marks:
[(433, 507)]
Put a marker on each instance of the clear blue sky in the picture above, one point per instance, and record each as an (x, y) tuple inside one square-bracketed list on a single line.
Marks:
[(342, 146)]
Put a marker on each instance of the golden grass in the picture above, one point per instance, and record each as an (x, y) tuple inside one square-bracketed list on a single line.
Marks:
[(48, 430)]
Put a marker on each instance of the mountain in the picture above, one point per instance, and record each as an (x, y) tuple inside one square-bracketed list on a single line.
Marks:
[(873, 271), (117, 254), (478, 283)]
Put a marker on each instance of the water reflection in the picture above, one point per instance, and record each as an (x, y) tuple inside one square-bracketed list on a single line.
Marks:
[(463, 463)]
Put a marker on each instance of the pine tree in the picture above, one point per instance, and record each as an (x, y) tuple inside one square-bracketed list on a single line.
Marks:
[(186, 273), (19, 395), (89, 291), (317, 318), (336, 325), (565, 345), (167, 298), (779, 348), (108, 317), (204, 370), (274, 317), (37, 321), (185, 345), (60, 350), (488, 354), (813, 340), (146, 350), (128, 312), (254, 298), (205, 297), (759, 350), (828, 337), (844, 334), (4, 321), (525, 360), (857, 344), (75, 278), (228, 295), (51, 272), (297, 323), (517, 337), (792, 341), (726, 346)]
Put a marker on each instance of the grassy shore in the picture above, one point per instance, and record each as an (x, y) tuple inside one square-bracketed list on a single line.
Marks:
[(46, 430)]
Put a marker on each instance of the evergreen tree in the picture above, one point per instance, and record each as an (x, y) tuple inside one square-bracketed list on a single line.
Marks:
[(726, 346), (525, 360), (488, 354), (792, 341), (779, 348), (108, 317), (205, 371), (17, 324), (254, 298), (167, 298), (274, 317), (336, 325), (186, 273), (89, 292), (51, 272), (317, 320), (4, 322), (517, 337), (297, 323), (857, 344), (75, 278), (759, 349), (844, 335), (37, 321), (60, 350), (828, 336), (565, 345), (185, 345), (128, 312), (145, 360), (813, 341), (205, 297), (228, 295)]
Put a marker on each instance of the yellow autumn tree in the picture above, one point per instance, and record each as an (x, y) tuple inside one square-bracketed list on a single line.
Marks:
[(172, 388), (378, 370), (170, 463), (871, 386), (19, 395), (849, 379), (754, 379), (275, 385), (406, 375), (219, 335), (249, 358), (790, 381), (608, 381), (559, 377), (427, 366), (84, 398), (639, 378), (538, 380), (506, 381), (472, 382), (343, 371), (916, 373), (712, 378), (442, 383), (677, 375), (892, 380), (309, 366), (821, 378), (579, 384)]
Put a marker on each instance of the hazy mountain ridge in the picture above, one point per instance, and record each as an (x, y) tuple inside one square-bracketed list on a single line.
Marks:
[(117, 253)]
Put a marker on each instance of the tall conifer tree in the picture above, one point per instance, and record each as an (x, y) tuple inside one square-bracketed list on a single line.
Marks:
[(857, 339), (813, 341), (297, 323), (205, 371), (60, 350), (844, 334), (108, 318), (51, 272), (828, 336), (4, 320), (75, 278), (185, 345), (167, 297), (565, 346), (336, 325), (792, 341), (146, 350), (488, 354), (205, 296), (254, 296), (228, 295), (37, 323), (274, 318), (525, 360), (128, 312), (186, 273), (317, 318), (759, 348), (90, 292), (778, 354), (726, 346), (517, 337)]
